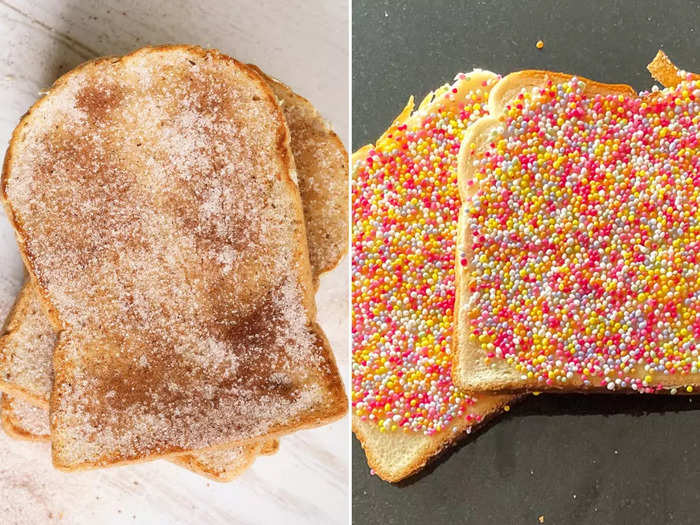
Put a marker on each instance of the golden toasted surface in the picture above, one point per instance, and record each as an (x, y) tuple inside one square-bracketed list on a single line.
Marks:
[(26, 347), (322, 173), (153, 203), (22, 420)]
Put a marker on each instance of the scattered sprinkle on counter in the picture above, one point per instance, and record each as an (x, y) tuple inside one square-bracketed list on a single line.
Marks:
[(539, 44)]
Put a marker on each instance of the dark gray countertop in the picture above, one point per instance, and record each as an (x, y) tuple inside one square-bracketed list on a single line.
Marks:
[(570, 459)]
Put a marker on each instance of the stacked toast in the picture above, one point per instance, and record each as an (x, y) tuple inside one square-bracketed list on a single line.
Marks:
[(531, 233), (174, 209)]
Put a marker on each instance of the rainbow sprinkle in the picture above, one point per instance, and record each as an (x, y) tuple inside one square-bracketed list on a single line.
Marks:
[(405, 209), (586, 238)]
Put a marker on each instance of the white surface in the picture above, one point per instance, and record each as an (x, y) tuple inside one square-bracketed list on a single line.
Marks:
[(304, 44)]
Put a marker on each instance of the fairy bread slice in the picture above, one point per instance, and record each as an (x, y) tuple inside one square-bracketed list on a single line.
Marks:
[(404, 217), (570, 301)]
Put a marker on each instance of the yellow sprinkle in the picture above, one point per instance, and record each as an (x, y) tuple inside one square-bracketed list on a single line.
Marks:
[(539, 44)]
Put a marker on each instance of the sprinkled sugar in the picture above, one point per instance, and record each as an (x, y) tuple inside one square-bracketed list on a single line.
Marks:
[(29, 418), (585, 237)]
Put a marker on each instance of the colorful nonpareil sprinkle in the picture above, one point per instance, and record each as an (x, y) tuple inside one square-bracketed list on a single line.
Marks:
[(405, 210), (585, 251)]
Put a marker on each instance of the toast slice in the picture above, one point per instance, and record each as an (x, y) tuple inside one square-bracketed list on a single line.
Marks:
[(404, 219), (584, 272), (322, 170), (26, 348), (395, 456), (154, 204), (26, 372), (22, 420), (225, 464)]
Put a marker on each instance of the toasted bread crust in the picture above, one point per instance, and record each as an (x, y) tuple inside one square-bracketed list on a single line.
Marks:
[(499, 377), (222, 466), (664, 71), (332, 408)]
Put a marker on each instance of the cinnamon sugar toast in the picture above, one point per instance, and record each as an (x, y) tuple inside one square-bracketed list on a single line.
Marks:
[(207, 338), (22, 420), (397, 453), (26, 348), (26, 377), (612, 296), (322, 169)]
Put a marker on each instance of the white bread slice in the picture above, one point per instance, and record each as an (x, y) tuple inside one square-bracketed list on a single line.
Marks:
[(472, 370), (161, 236), (395, 455)]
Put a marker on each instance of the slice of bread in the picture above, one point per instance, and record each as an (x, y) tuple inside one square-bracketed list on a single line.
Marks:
[(395, 456), (322, 170), (557, 105), (26, 348), (226, 464), (22, 420), (154, 203), (395, 453)]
